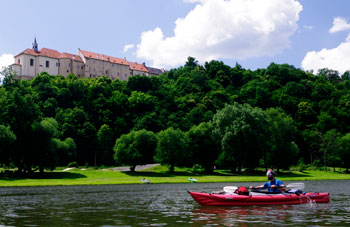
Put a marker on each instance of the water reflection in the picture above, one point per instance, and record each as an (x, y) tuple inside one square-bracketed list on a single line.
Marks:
[(242, 216), (160, 204)]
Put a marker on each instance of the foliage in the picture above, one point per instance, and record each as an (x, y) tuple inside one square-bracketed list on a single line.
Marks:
[(7, 138), (241, 130), (220, 115), (135, 148), (172, 148), (283, 151), (204, 147)]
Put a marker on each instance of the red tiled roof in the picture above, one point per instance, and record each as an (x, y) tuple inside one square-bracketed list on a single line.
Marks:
[(46, 52), (138, 67), (28, 51), (70, 56), (88, 54)]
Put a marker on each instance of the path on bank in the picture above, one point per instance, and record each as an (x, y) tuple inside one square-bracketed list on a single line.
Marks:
[(138, 167)]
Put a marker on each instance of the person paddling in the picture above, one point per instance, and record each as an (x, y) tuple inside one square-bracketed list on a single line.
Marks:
[(273, 185)]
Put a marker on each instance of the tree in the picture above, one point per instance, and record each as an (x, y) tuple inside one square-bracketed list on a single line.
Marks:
[(283, 151), (204, 146), (9, 77), (242, 132), (327, 143), (191, 62), (7, 138), (42, 150), (66, 151), (105, 138), (172, 148), (19, 111), (344, 150), (135, 148)]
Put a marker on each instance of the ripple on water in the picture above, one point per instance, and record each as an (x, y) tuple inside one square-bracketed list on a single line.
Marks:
[(158, 205)]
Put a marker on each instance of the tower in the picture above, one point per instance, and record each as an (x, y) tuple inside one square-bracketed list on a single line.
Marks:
[(35, 46)]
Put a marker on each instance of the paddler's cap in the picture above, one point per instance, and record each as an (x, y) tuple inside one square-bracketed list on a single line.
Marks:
[(270, 172)]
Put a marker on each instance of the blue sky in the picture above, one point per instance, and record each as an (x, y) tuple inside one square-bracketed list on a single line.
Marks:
[(231, 31)]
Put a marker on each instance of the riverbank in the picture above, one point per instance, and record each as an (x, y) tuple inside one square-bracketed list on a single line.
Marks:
[(156, 174)]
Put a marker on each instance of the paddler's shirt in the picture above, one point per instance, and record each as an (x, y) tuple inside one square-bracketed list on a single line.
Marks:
[(275, 182)]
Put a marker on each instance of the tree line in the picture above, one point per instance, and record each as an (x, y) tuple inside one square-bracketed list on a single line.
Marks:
[(195, 115)]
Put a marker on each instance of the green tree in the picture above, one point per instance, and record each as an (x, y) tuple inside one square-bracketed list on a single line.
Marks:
[(42, 150), (172, 148), (204, 146), (283, 151), (9, 78), (242, 132), (328, 142), (7, 138), (344, 150), (191, 62), (66, 151), (105, 138), (135, 148)]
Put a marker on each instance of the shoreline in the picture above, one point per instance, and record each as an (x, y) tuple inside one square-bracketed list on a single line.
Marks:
[(155, 175)]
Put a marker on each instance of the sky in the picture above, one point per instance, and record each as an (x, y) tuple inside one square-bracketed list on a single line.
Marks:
[(309, 34)]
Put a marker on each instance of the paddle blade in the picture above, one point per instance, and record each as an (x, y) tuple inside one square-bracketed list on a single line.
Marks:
[(297, 186)]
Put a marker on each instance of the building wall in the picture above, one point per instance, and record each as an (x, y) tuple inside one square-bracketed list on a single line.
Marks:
[(64, 69), (78, 68), (70, 66), (136, 72), (95, 68), (27, 70), (53, 65), (18, 69)]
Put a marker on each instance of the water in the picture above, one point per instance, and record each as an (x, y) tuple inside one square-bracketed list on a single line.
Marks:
[(161, 205)]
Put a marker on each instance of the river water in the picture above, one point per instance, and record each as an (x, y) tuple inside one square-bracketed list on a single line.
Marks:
[(161, 205)]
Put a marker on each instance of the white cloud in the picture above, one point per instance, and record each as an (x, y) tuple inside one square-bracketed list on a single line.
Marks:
[(128, 47), (231, 29), (337, 58), (339, 24), (5, 60)]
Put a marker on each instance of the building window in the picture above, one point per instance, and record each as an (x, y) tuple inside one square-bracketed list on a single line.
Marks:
[(106, 71), (31, 62), (82, 67), (77, 66), (67, 71), (94, 70), (118, 73), (47, 64), (69, 65), (113, 65), (57, 64), (19, 61)]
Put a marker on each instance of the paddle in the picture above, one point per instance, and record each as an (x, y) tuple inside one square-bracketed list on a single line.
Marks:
[(294, 186)]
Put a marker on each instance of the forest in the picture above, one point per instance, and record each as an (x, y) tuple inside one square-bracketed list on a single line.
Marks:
[(202, 116)]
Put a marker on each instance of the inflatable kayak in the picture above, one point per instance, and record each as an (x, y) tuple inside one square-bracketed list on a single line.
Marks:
[(255, 198)]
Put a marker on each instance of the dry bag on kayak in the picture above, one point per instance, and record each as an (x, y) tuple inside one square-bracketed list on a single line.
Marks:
[(242, 191)]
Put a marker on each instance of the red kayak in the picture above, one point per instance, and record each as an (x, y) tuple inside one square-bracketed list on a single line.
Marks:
[(212, 199)]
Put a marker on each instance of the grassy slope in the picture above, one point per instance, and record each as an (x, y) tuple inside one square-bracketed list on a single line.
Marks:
[(157, 174)]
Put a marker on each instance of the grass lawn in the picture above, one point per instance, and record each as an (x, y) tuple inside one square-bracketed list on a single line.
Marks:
[(158, 174)]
